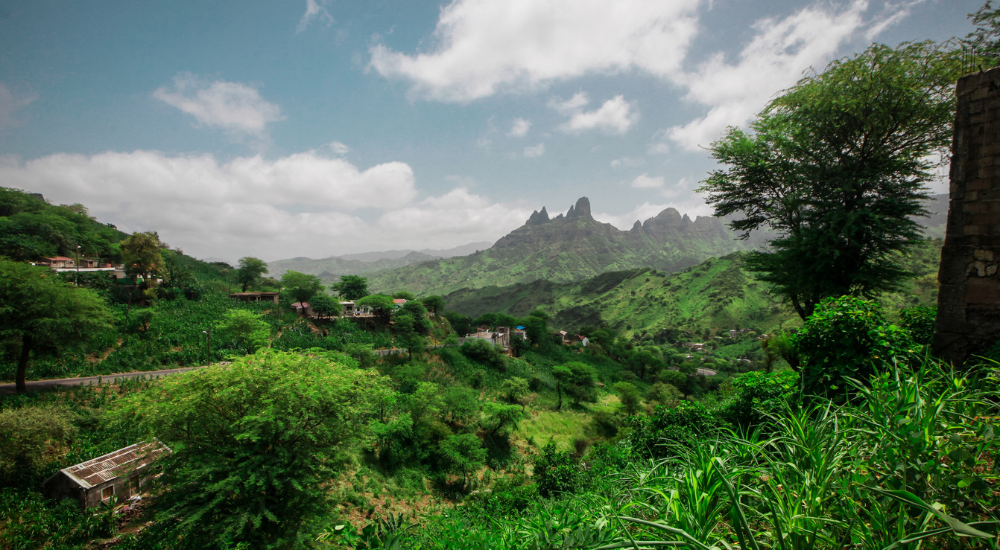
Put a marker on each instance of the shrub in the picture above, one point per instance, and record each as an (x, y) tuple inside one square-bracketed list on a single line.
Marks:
[(29, 435), (685, 425), (919, 321), (483, 352), (755, 394), (558, 472), (845, 338)]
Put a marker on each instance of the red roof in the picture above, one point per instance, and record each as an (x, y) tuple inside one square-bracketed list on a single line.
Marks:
[(299, 305), (399, 301), (60, 259)]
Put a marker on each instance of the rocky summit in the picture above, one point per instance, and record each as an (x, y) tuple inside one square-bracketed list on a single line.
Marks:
[(570, 247)]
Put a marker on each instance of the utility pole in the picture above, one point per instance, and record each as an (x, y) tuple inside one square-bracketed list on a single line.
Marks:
[(77, 265)]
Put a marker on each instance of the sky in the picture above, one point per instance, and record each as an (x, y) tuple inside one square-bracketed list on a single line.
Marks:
[(318, 128)]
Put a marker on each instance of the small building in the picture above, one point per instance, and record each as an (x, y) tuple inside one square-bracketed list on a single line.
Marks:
[(88, 263), (123, 473), (399, 302), (584, 341), (302, 307), (255, 296), (60, 262), (565, 336)]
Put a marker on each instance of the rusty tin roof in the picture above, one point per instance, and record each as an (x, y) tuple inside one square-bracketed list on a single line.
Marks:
[(115, 464)]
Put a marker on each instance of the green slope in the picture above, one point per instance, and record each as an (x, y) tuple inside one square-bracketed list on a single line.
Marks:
[(570, 248), (717, 293)]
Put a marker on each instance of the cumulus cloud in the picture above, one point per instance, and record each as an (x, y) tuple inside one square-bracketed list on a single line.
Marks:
[(481, 47), (774, 60), (232, 106), (519, 128), (315, 10), (305, 204), (9, 104), (644, 181), (534, 151), (615, 116)]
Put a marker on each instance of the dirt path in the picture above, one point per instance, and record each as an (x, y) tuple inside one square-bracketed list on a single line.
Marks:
[(37, 385)]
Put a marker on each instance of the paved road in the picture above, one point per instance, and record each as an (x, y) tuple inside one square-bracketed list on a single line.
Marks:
[(10, 389)]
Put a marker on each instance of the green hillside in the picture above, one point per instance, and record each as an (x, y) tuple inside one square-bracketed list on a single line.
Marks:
[(717, 293), (333, 268), (571, 248)]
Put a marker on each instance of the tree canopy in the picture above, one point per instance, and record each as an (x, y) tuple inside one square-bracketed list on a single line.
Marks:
[(352, 287), (301, 287), (254, 444), (836, 166), (141, 254), (250, 271), (41, 312)]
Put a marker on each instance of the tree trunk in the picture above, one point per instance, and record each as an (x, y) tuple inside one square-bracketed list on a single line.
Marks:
[(559, 391), (22, 364)]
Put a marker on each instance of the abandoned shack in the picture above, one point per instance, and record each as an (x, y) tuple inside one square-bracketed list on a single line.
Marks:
[(122, 473), (255, 296)]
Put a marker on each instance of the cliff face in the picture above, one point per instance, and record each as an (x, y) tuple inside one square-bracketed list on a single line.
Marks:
[(568, 248)]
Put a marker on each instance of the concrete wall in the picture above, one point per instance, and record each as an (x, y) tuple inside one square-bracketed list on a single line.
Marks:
[(968, 320)]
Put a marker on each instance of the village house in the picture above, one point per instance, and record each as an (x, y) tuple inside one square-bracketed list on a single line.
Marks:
[(60, 262), (121, 473)]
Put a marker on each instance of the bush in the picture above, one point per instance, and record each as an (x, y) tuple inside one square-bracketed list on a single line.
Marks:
[(685, 425), (755, 394), (919, 321), (847, 337), (30, 435), (483, 352), (558, 472)]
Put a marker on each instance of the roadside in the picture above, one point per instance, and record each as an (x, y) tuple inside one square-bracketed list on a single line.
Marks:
[(39, 385)]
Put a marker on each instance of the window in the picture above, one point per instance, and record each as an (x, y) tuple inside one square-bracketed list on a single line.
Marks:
[(107, 492)]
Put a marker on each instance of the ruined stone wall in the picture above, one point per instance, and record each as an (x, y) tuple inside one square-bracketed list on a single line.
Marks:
[(968, 320)]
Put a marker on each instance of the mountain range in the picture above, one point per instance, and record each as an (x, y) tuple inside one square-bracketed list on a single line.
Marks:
[(367, 262), (571, 247)]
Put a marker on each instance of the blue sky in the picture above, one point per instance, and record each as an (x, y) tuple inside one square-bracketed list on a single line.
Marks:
[(312, 128)]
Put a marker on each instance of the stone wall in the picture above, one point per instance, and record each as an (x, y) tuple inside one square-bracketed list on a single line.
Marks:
[(968, 320)]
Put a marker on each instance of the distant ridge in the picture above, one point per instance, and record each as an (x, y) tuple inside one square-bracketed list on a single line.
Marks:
[(571, 247), (367, 262)]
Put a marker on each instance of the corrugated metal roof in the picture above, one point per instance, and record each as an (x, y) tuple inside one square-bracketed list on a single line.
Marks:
[(116, 464)]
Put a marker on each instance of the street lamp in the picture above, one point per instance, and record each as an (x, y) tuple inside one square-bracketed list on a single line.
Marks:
[(77, 265)]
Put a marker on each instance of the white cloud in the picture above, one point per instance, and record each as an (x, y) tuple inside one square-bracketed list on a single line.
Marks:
[(644, 181), (534, 151), (315, 9), (231, 106), (615, 116), (338, 148), (482, 47), (305, 204), (774, 60), (519, 128), (571, 105), (9, 104), (658, 148), (628, 162)]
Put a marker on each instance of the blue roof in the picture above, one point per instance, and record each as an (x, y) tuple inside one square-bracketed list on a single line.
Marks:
[(519, 327)]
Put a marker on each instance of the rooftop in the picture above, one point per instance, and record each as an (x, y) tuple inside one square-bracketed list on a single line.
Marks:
[(115, 464)]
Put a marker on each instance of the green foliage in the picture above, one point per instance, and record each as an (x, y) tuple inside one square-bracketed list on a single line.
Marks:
[(250, 272), (253, 444), (629, 396), (557, 472), (756, 395), (352, 287), (484, 352), (500, 419), (434, 304), (301, 287), (686, 425), (836, 166), (463, 454), (380, 304), (30, 435), (847, 338), (28, 520), (40, 312), (513, 389), (141, 254), (919, 320), (324, 305), (985, 40), (246, 330)]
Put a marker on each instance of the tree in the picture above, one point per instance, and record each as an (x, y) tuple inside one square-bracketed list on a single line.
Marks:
[(629, 396), (352, 287), (141, 254), (985, 40), (254, 444), (300, 286), (501, 419), (250, 272), (246, 329), (43, 313), (434, 304), (513, 389), (577, 380), (324, 305), (403, 295), (836, 167), (463, 453), (380, 304)]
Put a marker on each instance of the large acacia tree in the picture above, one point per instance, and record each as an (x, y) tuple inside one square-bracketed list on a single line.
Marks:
[(250, 271), (40, 312), (836, 167)]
